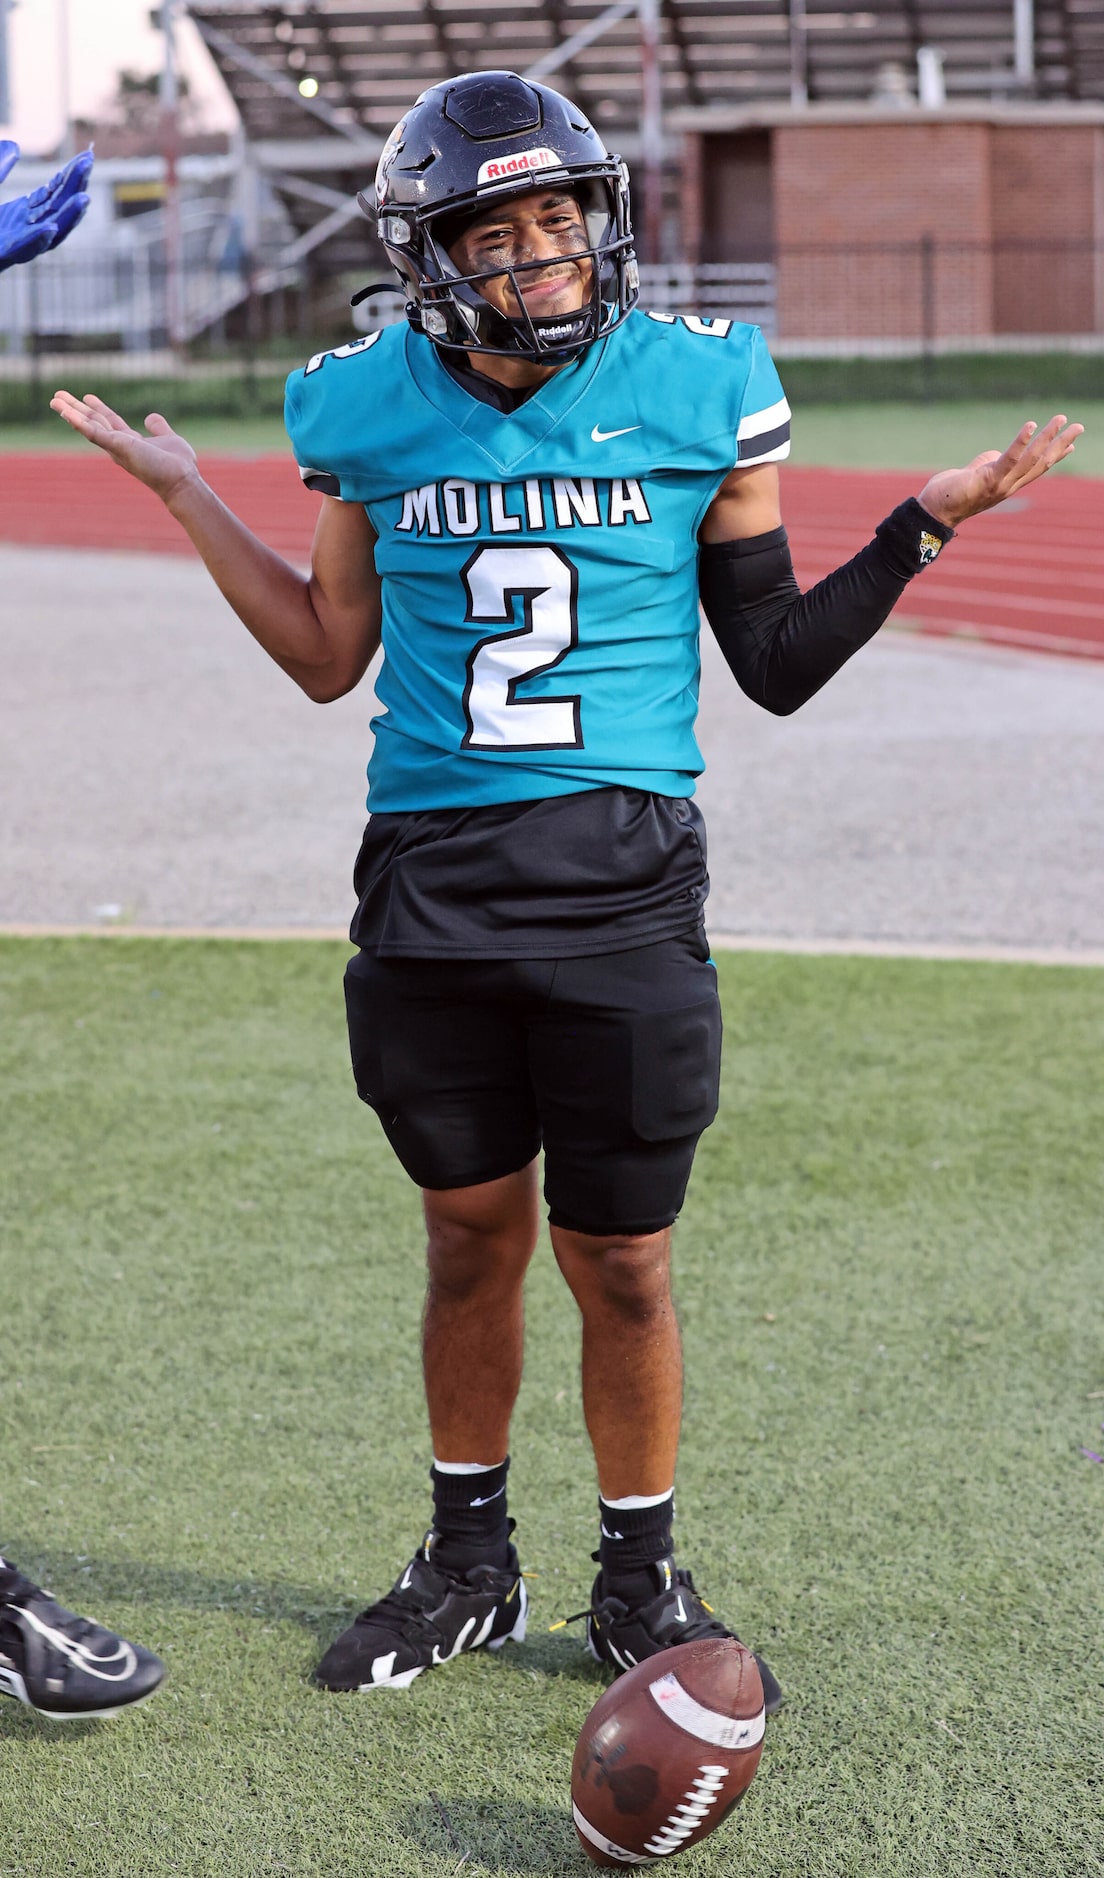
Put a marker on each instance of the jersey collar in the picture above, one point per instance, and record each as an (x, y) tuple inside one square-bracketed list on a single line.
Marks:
[(507, 438)]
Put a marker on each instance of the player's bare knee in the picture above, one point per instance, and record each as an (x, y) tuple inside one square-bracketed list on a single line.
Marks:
[(633, 1277), (466, 1257), (628, 1274), (459, 1272)]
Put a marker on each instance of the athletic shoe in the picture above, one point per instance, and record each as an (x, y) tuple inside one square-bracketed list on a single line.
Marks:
[(65, 1666), (623, 1637), (429, 1616)]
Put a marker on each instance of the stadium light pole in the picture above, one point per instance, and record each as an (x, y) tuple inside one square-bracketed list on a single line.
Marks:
[(799, 55), (65, 88), (651, 127), (5, 67), (1023, 42), (170, 145)]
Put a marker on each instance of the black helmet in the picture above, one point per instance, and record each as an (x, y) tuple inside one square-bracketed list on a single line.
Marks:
[(474, 140)]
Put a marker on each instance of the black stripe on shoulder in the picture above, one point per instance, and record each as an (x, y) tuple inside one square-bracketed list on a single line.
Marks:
[(321, 481), (766, 440)]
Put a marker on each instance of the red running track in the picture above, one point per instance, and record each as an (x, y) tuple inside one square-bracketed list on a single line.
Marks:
[(1029, 574), (64, 499)]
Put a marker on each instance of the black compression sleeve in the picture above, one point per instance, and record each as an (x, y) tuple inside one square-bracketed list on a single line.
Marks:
[(782, 644)]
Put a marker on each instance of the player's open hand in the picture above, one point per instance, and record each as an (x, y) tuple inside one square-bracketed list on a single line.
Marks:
[(160, 459), (953, 495)]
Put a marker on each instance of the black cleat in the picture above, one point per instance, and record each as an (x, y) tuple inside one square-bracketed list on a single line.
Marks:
[(429, 1616), (623, 1637), (65, 1666)]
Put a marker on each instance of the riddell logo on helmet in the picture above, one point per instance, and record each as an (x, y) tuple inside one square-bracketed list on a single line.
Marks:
[(501, 169)]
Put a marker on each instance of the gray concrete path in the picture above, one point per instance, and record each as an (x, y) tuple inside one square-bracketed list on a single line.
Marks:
[(154, 761)]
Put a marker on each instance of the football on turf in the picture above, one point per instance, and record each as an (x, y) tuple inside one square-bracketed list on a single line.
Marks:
[(667, 1751)]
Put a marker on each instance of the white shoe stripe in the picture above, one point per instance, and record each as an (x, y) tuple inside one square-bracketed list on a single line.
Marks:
[(460, 1644), (484, 1631), (116, 1667)]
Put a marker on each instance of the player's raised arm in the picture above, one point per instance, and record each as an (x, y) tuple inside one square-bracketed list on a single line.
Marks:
[(782, 644), (321, 629)]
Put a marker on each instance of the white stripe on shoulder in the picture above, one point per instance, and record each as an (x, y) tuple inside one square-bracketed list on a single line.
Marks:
[(758, 421)]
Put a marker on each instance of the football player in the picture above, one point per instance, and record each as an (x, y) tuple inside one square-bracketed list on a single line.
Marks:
[(62, 1665), (525, 490)]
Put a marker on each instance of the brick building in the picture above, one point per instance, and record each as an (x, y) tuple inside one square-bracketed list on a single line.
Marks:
[(967, 223)]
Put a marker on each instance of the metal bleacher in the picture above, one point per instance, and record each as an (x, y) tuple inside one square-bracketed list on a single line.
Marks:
[(319, 83), (369, 58)]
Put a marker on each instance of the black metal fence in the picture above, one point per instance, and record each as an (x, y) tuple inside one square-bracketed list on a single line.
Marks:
[(919, 318)]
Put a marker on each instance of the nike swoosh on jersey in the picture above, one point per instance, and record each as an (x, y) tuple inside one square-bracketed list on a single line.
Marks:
[(603, 436)]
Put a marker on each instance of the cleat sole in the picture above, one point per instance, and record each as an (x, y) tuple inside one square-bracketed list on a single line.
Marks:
[(13, 1684), (402, 1681)]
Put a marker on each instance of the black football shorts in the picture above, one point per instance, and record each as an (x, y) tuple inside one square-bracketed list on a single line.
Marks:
[(611, 1062)]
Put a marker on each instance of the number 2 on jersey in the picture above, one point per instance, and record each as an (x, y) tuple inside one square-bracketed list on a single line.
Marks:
[(547, 584)]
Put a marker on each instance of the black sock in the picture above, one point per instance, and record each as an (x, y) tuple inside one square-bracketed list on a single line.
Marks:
[(469, 1518), (633, 1538)]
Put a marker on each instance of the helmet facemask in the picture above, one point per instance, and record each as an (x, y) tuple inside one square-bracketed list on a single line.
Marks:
[(457, 314)]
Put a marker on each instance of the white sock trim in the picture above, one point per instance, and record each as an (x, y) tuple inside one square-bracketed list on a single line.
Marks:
[(632, 1501), (466, 1467)]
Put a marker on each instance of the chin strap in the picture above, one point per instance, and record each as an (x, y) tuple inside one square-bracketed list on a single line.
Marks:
[(378, 286), (576, 332)]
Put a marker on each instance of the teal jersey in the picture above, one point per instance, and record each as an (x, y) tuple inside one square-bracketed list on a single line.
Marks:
[(539, 567)]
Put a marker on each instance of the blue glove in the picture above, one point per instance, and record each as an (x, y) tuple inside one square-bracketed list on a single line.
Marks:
[(33, 224)]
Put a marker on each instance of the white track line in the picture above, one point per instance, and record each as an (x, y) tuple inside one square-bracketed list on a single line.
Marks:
[(20, 930), (981, 953)]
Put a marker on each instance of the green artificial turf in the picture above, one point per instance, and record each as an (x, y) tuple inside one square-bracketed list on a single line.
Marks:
[(944, 377), (841, 436), (234, 436), (937, 436), (889, 1280)]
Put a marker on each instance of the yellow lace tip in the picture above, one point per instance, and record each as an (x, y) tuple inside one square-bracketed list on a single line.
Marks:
[(708, 1607), (560, 1625), (530, 1574)]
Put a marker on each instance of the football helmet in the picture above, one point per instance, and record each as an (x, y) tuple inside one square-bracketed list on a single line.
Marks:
[(465, 145)]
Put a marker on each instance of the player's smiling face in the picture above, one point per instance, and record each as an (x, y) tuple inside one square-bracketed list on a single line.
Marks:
[(544, 226)]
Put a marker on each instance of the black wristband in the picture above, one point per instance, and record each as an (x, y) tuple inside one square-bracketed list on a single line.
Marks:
[(910, 538)]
